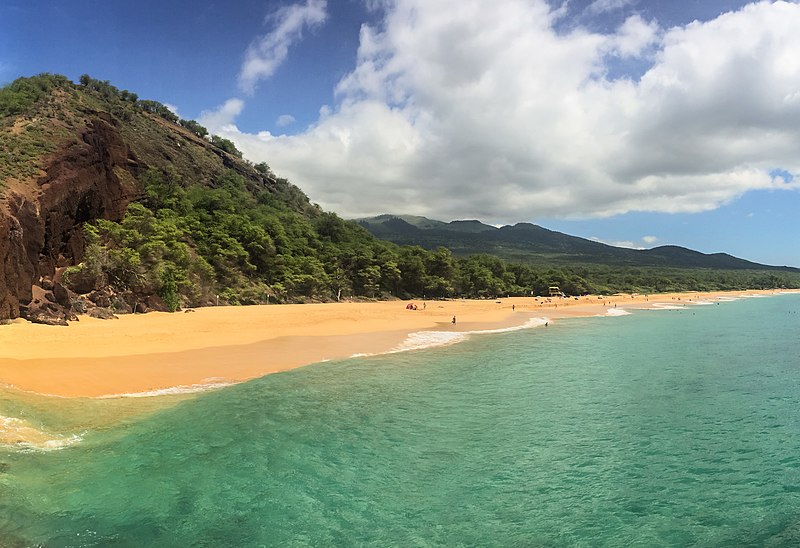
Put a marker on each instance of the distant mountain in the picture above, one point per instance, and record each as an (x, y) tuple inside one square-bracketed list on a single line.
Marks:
[(531, 243)]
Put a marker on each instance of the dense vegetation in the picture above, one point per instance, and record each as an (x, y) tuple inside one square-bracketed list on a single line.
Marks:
[(211, 227), (191, 243), (40, 114)]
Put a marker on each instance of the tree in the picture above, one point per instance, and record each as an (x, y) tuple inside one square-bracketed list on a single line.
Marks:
[(226, 145), (194, 127), (169, 290)]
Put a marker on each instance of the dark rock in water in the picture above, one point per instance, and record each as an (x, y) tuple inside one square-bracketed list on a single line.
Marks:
[(102, 313), (100, 298)]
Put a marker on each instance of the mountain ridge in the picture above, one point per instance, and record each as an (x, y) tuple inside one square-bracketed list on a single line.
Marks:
[(524, 240)]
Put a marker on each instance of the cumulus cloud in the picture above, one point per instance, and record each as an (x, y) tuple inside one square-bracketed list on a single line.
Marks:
[(602, 6), (647, 241), (285, 120), (172, 108), (222, 118), (617, 243), (634, 36), (268, 52), (469, 109)]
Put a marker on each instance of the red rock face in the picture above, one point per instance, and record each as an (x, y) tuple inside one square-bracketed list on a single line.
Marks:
[(41, 222)]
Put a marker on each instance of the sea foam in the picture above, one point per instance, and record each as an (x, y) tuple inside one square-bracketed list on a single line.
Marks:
[(171, 391), (616, 312), (664, 306), (20, 435), (431, 339)]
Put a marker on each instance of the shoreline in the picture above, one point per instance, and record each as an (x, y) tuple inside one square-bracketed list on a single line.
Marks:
[(162, 353)]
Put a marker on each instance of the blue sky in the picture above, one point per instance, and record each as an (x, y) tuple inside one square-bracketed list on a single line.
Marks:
[(634, 122)]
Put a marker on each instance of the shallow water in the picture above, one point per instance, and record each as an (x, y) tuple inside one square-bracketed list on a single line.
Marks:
[(661, 428)]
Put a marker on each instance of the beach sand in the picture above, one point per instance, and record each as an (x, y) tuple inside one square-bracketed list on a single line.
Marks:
[(159, 352)]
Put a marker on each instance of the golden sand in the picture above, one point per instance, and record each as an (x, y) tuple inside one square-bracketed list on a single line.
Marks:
[(159, 351)]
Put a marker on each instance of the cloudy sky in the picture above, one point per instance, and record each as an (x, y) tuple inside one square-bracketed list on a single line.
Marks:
[(634, 122)]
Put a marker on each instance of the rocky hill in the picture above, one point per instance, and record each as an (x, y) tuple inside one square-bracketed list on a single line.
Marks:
[(75, 153)]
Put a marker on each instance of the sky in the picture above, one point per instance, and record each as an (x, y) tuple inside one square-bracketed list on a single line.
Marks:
[(632, 122)]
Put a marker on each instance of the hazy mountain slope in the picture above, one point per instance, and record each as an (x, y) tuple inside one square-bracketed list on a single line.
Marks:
[(532, 243)]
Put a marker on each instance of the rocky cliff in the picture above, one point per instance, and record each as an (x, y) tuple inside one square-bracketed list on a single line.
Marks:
[(41, 219), (73, 153)]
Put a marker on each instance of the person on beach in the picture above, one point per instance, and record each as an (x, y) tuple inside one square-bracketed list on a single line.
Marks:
[(454, 320)]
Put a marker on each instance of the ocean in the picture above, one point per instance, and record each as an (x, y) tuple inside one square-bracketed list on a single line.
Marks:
[(671, 427)]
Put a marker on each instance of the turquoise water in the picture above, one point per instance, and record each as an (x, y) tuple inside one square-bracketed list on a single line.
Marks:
[(662, 428)]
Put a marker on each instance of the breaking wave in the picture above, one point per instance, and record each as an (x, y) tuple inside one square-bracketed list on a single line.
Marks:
[(616, 312), (431, 339), (18, 434), (171, 391)]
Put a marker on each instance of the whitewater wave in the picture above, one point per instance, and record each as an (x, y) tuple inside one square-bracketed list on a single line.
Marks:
[(616, 312), (171, 391), (702, 303), (664, 306), (20, 435), (431, 339)]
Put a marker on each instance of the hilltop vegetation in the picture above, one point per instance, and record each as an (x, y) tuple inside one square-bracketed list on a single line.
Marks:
[(139, 203)]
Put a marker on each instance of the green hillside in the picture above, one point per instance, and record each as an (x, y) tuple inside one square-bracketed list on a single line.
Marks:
[(531, 243)]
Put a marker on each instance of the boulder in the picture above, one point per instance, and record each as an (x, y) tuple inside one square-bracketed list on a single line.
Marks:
[(63, 296), (81, 281), (81, 305), (46, 317), (154, 302), (119, 305), (102, 313), (100, 298)]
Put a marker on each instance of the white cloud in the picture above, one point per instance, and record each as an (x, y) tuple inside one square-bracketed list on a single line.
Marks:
[(469, 109), (617, 243), (268, 52), (172, 108), (647, 241), (602, 6), (634, 36), (222, 119), (285, 120)]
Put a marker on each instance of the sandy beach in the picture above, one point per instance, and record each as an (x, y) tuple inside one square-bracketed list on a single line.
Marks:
[(159, 352)]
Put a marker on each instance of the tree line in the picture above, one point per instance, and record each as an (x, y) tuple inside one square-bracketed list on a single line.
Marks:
[(194, 245)]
